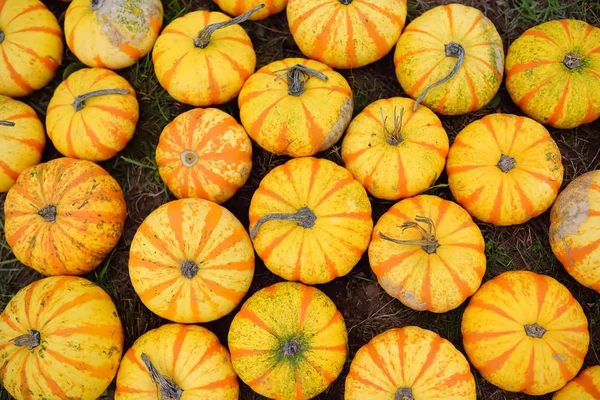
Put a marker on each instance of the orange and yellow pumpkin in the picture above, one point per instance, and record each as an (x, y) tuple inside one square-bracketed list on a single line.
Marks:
[(504, 169), (451, 59), (393, 151), (586, 386), (191, 260), (112, 33), (296, 107), (553, 73), (346, 33), (288, 341), (409, 363), (60, 338), (204, 153), (525, 332), (177, 361), (31, 47), (239, 7), (63, 217), (310, 221)]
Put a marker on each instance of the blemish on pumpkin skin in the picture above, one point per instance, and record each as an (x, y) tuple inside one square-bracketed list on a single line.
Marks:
[(127, 21), (408, 298), (340, 125), (571, 209), (558, 357)]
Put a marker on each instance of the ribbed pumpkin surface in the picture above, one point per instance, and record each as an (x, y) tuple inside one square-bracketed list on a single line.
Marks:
[(586, 386), (238, 7)]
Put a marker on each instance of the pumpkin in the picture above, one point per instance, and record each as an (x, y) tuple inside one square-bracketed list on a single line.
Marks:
[(92, 114), (451, 59), (60, 338), (428, 253), (310, 221), (409, 363), (112, 34), (31, 47), (22, 140), (525, 332), (504, 169), (177, 361), (239, 7), (553, 73), (296, 107), (63, 217), (395, 152), (203, 58), (575, 229), (346, 33), (204, 153), (288, 341), (585, 387), (190, 261)]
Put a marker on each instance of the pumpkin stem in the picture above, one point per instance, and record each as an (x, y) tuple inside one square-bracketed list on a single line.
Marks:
[(96, 4), (189, 158), (452, 50), (48, 213), (291, 348), (404, 394), (168, 389), (1, 36), (506, 163), (535, 331), (395, 136), (573, 61), (345, 2), (203, 38), (428, 242), (7, 123), (303, 217), (297, 76), (189, 269), (31, 340), (79, 102)]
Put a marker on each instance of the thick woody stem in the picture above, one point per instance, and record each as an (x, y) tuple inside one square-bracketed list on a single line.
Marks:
[(189, 269), (404, 394), (506, 163), (297, 76), (79, 102), (303, 217), (167, 388), (572, 61), (31, 340), (7, 123), (48, 213), (291, 348), (395, 136), (428, 242), (203, 38), (535, 331)]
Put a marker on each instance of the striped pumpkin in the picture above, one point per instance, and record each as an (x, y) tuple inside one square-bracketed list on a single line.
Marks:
[(525, 332), (346, 33), (393, 151), (288, 341), (63, 217), (296, 107), (409, 363), (60, 338), (553, 73), (204, 153), (191, 261), (310, 221), (585, 387), (177, 360), (112, 34), (451, 58), (428, 253), (504, 169), (92, 114), (22, 140), (575, 229), (239, 7)]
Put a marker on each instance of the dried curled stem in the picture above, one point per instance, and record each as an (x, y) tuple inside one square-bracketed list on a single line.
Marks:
[(7, 123), (167, 388), (203, 38), (395, 136), (79, 102), (303, 217), (297, 76), (428, 242), (31, 340)]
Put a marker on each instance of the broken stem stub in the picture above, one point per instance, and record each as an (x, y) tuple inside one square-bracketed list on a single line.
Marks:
[(7, 123), (167, 388), (203, 38), (535, 331), (48, 213), (395, 136), (291, 348), (345, 2), (303, 217), (1, 36), (428, 242), (189, 269), (297, 76), (79, 102), (31, 340), (506, 163), (404, 394), (96, 4), (572, 61)]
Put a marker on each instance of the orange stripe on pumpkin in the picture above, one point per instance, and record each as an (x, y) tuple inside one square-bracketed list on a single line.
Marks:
[(380, 364), (588, 385), (172, 31), (495, 364), (350, 49), (177, 345), (463, 287), (541, 35), (229, 381), (168, 75), (415, 88), (256, 126), (366, 382), (175, 218), (552, 183), (386, 266), (237, 67), (246, 313), (266, 253), (338, 186), (8, 171), (565, 25), (308, 293), (157, 290), (412, 53), (15, 76), (478, 336), (518, 68), (323, 39), (50, 382), (222, 291), (301, 18), (526, 204), (476, 303), (415, 30), (474, 99), (488, 65), (96, 372), (559, 109), (394, 19), (43, 29), (376, 36), (496, 213), (27, 10), (211, 221), (131, 52), (462, 168), (104, 150), (213, 85), (431, 357)]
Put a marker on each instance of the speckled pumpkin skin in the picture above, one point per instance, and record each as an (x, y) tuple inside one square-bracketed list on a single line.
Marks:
[(238, 7), (586, 386)]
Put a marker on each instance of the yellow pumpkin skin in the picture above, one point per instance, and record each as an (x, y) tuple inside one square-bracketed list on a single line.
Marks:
[(575, 229), (112, 34), (540, 82), (413, 361), (395, 163), (22, 140), (238, 7), (525, 332), (421, 60), (295, 125), (586, 386), (103, 126), (189, 355), (325, 248), (485, 149), (288, 342), (31, 47), (80, 340), (346, 33)]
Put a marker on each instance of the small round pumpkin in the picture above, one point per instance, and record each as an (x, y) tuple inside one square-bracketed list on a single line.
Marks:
[(409, 363), (296, 107), (22, 140), (586, 386), (553, 73), (112, 33), (239, 7), (177, 361), (525, 332), (310, 221), (393, 151), (92, 114), (504, 169), (204, 153), (288, 341), (346, 33), (31, 47), (451, 59), (575, 229), (60, 338), (63, 217)]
